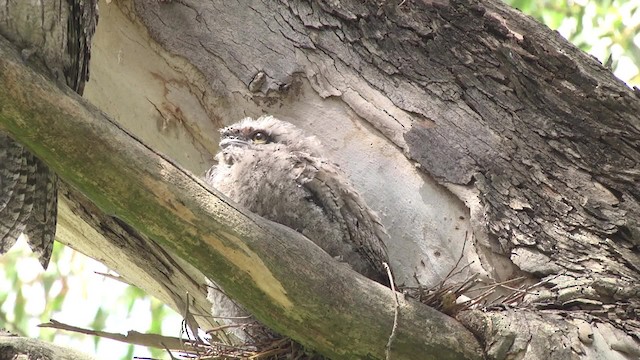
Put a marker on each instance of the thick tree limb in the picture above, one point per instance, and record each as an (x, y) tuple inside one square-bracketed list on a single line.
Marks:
[(538, 139), (284, 279)]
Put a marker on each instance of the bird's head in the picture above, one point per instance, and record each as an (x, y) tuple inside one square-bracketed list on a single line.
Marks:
[(266, 133)]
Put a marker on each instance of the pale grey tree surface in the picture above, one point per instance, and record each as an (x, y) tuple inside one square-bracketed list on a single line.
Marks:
[(285, 280), (450, 118)]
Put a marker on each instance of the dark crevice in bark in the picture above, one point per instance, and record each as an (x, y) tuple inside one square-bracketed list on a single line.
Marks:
[(548, 137)]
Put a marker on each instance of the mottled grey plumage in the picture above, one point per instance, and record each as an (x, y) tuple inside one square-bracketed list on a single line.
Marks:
[(271, 168), (58, 34)]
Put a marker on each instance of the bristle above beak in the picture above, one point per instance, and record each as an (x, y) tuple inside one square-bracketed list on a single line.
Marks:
[(225, 143)]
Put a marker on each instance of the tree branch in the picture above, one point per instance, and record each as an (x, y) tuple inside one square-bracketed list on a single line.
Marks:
[(17, 347), (276, 273)]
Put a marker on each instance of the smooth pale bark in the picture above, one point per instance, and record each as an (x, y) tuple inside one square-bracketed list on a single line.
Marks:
[(537, 139), (283, 278), (451, 118)]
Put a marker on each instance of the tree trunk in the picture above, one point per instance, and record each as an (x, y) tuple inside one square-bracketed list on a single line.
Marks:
[(452, 118), (285, 280)]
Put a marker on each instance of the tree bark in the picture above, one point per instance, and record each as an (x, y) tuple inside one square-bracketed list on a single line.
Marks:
[(280, 276), (451, 117), (15, 347)]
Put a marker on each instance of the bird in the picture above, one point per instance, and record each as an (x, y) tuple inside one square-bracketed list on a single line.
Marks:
[(28, 188), (272, 168)]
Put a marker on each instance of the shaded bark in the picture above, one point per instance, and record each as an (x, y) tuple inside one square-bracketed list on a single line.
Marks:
[(451, 117), (281, 277), (538, 139)]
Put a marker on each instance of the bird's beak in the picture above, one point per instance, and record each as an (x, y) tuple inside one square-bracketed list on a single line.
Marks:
[(225, 143)]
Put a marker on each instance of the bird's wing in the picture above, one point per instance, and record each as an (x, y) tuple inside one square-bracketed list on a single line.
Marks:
[(17, 184), (83, 19), (41, 225), (362, 225), (28, 189)]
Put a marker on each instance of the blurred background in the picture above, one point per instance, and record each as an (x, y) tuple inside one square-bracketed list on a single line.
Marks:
[(74, 292), (608, 30)]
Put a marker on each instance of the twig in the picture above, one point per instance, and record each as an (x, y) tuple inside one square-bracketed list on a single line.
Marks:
[(227, 326), (464, 244), (117, 278), (230, 317), (494, 285), (459, 271), (170, 353), (387, 350), (132, 337)]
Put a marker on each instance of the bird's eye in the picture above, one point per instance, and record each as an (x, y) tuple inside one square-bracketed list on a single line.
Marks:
[(260, 137)]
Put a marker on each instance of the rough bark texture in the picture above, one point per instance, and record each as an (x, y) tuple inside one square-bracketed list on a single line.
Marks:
[(539, 140), (451, 118), (280, 276)]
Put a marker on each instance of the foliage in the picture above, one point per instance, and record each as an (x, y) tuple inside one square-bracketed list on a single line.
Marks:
[(607, 29), (72, 291)]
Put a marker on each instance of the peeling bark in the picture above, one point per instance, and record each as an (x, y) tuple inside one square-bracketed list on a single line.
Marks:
[(451, 118), (538, 139), (285, 280)]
